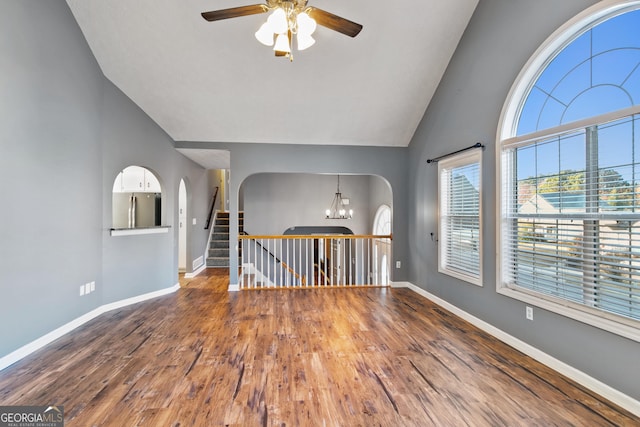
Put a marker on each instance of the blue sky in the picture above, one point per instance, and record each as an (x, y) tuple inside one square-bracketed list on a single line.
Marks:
[(598, 72)]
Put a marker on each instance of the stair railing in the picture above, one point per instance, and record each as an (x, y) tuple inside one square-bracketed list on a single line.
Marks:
[(314, 260), (275, 261), (213, 205)]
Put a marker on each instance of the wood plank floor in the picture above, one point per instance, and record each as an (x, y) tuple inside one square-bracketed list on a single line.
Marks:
[(326, 357)]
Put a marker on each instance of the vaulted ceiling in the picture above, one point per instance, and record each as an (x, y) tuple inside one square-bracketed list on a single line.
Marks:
[(213, 81)]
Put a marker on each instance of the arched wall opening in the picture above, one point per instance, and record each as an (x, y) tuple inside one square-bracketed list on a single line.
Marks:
[(136, 199), (275, 202)]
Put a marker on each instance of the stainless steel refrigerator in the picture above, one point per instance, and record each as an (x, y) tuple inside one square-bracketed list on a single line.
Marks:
[(136, 210)]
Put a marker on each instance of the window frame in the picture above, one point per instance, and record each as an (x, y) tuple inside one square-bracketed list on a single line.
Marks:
[(456, 161), (618, 324)]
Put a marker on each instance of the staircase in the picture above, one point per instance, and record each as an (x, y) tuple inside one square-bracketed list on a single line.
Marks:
[(218, 256)]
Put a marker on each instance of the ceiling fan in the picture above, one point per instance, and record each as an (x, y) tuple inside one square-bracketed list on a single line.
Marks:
[(289, 18)]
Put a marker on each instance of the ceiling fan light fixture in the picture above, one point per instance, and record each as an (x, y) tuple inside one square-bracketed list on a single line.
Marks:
[(265, 34), (304, 41), (282, 43), (286, 19), (278, 21), (306, 24)]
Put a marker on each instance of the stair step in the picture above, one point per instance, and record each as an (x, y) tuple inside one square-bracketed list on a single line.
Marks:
[(215, 244), (222, 218), (219, 262), (219, 252), (225, 214)]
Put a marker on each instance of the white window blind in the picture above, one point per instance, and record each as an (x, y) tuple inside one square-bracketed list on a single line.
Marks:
[(459, 242), (571, 217)]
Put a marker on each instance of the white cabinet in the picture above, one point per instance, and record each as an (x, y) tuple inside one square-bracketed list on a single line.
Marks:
[(136, 179), (151, 183), (133, 179)]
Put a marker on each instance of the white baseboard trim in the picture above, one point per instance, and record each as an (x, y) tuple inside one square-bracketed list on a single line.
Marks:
[(193, 274), (37, 344), (617, 397), (234, 287)]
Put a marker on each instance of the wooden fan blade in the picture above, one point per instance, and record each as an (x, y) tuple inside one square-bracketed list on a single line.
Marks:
[(234, 12), (334, 22)]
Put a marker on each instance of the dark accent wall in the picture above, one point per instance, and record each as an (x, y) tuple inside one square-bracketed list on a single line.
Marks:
[(500, 38)]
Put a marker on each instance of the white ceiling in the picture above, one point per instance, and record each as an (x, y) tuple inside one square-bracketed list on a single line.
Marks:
[(213, 81), (207, 158)]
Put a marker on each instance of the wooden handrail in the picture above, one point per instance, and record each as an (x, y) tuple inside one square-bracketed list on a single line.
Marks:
[(295, 274), (246, 235), (317, 236), (213, 204)]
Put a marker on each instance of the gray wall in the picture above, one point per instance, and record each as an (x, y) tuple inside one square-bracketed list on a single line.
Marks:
[(379, 194), (500, 39), (65, 133), (275, 202), (133, 265), (50, 174)]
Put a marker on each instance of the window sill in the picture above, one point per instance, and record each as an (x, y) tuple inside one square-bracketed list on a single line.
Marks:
[(618, 325), (115, 232), (477, 281)]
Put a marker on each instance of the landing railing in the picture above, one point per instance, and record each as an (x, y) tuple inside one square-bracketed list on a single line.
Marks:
[(314, 261)]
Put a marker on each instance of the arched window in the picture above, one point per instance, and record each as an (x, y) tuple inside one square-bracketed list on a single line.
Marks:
[(382, 247), (595, 73), (569, 156), (382, 221)]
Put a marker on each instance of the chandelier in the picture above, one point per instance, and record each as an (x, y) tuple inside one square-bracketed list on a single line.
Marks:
[(338, 209), (287, 20)]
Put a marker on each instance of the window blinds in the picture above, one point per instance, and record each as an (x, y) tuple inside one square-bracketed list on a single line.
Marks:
[(571, 217), (460, 228)]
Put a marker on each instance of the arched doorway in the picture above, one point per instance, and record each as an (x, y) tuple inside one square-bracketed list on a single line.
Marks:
[(182, 227)]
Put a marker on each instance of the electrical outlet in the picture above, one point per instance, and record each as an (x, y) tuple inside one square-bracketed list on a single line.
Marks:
[(529, 313), (398, 264)]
